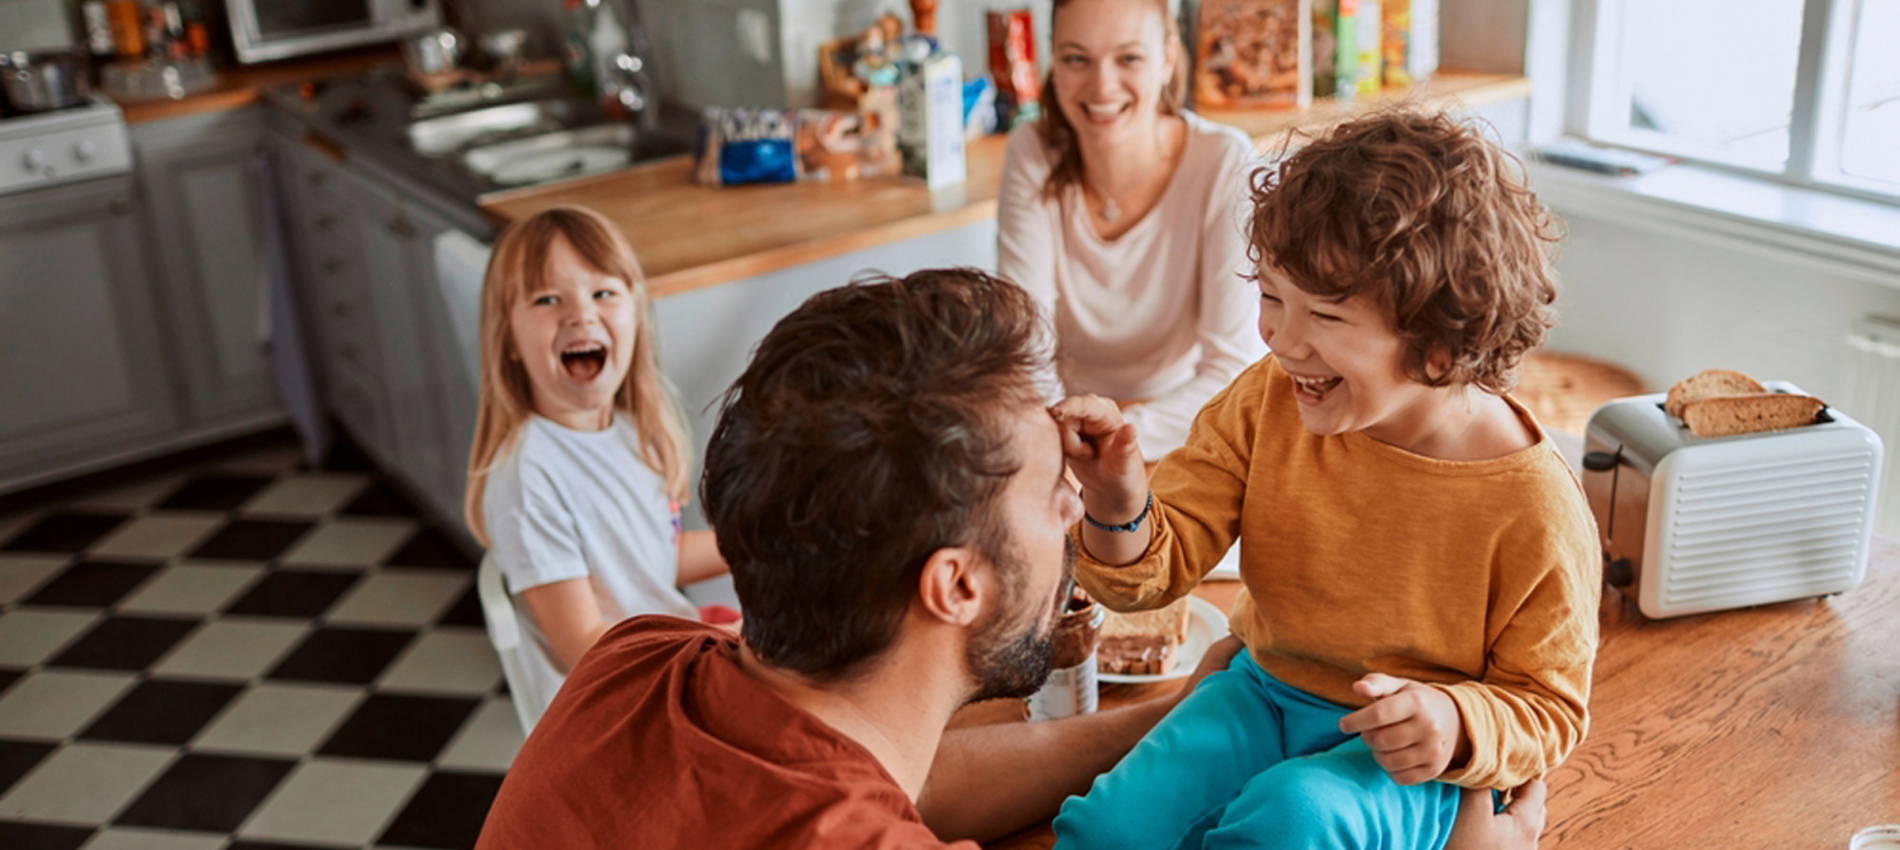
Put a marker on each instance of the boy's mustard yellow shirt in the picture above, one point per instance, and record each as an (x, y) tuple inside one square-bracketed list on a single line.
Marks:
[(1479, 577)]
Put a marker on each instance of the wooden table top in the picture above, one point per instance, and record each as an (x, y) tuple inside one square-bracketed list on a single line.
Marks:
[(689, 236), (1772, 727)]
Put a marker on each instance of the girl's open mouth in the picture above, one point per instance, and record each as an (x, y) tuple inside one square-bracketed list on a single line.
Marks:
[(584, 361)]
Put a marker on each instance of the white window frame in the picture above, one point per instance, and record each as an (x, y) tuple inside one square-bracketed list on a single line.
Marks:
[(1600, 97)]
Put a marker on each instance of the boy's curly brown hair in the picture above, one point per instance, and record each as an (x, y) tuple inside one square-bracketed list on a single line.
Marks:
[(1422, 213)]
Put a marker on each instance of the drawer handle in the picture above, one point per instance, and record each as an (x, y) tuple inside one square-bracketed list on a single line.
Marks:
[(119, 206), (318, 178), (325, 222), (401, 227), (332, 266), (341, 310)]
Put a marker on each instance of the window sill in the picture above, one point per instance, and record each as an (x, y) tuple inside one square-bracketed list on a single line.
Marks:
[(1856, 237)]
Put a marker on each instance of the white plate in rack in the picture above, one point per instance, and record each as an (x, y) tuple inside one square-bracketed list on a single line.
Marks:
[(1206, 624)]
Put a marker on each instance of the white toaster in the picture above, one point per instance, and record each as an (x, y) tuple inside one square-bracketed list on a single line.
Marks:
[(1690, 524)]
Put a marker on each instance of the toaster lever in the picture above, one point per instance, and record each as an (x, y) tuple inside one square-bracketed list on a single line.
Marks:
[(1599, 461), (1619, 572)]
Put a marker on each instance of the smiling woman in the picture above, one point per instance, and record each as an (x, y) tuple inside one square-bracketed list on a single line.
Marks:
[(1121, 213)]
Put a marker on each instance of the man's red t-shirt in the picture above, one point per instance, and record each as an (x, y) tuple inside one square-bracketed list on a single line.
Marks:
[(659, 740)]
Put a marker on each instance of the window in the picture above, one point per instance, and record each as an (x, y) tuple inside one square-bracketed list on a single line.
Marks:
[(1804, 91)]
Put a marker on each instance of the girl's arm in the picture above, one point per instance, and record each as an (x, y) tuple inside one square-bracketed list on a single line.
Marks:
[(700, 558), (569, 616)]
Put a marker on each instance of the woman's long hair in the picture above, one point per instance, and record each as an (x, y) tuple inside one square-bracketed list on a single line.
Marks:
[(520, 265), (1059, 135)]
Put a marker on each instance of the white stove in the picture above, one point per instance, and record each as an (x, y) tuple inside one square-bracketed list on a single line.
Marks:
[(64, 146)]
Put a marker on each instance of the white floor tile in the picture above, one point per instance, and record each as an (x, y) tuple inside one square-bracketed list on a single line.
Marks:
[(159, 535), (403, 598), (132, 497), (279, 719), (85, 782), (29, 636), (56, 704), (451, 660), (488, 741), (20, 574), (129, 838), (351, 541), (187, 588), (338, 801), (233, 648), (307, 495)]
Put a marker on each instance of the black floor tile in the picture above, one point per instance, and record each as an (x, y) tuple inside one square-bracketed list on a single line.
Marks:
[(428, 548), (466, 611), (214, 493), (64, 532), (252, 540), (446, 812), (206, 793), (161, 711), (342, 656), (305, 594), (268, 845), (125, 643), (345, 456), (19, 757), (40, 836), (380, 499), (403, 728), (92, 584), (9, 675)]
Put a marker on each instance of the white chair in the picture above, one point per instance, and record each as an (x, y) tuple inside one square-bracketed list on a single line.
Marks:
[(505, 633)]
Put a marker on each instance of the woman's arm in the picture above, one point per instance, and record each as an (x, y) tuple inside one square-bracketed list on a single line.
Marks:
[(569, 617), (1025, 241), (700, 558)]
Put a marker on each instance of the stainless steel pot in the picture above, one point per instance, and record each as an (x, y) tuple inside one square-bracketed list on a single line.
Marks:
[(432, 52), (40, 80)]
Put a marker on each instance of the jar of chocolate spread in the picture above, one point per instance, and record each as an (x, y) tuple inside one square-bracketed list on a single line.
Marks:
[(1071, 687)]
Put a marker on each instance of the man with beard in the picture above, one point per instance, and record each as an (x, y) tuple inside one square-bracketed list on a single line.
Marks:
[(890, 493)]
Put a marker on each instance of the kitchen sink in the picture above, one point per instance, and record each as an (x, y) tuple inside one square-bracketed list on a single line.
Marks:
[(462, 131), (554, 156)]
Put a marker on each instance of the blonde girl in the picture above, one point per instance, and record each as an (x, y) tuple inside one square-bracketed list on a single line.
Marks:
[(579, 462)]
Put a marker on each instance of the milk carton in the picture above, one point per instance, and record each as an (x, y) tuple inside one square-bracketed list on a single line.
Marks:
[(930, 120)]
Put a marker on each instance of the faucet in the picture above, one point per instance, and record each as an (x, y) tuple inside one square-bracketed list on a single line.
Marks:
[(628, 89)]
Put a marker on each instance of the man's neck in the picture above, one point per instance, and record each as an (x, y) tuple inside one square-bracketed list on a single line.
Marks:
[(898, 711)]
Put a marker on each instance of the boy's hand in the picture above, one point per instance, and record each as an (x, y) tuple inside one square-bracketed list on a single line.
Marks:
[(1103, 456), (1413, 729)]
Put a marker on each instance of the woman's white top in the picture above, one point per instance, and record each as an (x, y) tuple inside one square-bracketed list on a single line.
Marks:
[(1161, 313), (569, 504)]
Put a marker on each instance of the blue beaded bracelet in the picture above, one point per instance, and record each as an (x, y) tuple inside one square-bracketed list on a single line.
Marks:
[(1130, 525)]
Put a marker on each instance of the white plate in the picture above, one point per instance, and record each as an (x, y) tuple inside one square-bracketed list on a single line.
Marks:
[(1206, 624), (1229, 566)]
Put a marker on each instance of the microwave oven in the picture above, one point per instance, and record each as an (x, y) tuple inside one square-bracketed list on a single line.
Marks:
[(265, 30)]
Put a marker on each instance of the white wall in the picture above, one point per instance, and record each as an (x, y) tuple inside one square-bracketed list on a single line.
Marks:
[(1668, 304)]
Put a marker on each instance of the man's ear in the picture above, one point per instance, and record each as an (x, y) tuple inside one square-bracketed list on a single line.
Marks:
[(955, 585)]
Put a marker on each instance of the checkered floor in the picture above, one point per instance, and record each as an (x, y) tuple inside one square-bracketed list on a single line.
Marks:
[(243, 656)]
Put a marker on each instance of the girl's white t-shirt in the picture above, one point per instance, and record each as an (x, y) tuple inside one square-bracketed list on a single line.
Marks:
[(569, 504)]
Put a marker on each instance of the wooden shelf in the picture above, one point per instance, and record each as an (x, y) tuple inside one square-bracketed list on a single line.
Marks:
[(690, 236)]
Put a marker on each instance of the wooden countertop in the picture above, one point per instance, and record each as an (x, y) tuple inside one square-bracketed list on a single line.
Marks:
[(1762, 727), (690, 236), (240, 86)]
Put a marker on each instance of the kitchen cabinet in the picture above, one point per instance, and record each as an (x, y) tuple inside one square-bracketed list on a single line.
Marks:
[(362, 261), (201, 179), (86, 381)]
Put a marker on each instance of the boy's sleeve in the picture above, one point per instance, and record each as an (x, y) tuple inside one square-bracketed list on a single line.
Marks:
[(1530, 710), (532, 535), (1198, 490)]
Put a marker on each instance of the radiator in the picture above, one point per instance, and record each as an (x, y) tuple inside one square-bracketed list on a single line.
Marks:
[(1873, 396)]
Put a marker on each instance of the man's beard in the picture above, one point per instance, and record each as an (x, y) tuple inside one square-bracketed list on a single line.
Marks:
[(1015, 666)]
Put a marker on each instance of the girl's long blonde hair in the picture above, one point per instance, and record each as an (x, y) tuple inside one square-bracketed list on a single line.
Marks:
[(519, 265)]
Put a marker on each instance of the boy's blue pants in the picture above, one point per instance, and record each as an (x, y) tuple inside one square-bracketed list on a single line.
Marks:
[(1246, 761)]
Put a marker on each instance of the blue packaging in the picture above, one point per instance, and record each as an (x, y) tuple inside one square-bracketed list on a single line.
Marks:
[(748, 146)]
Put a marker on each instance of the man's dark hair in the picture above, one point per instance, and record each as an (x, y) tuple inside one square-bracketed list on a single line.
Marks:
[(869, 431)]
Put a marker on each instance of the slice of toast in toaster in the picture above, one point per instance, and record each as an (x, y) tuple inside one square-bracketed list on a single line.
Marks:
[(1729, 415), (1709, 383)]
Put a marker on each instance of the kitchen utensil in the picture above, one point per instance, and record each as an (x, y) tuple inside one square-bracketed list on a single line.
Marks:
[(503, 49), (432, 52), (44, 80)]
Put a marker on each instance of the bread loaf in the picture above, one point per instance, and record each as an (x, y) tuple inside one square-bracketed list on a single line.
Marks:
[(1708, 384), (1729, 415)]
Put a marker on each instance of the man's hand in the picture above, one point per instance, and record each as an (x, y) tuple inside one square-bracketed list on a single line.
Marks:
[(1220, 654), (1515, 828), (1104, 456), (1413, 729)]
